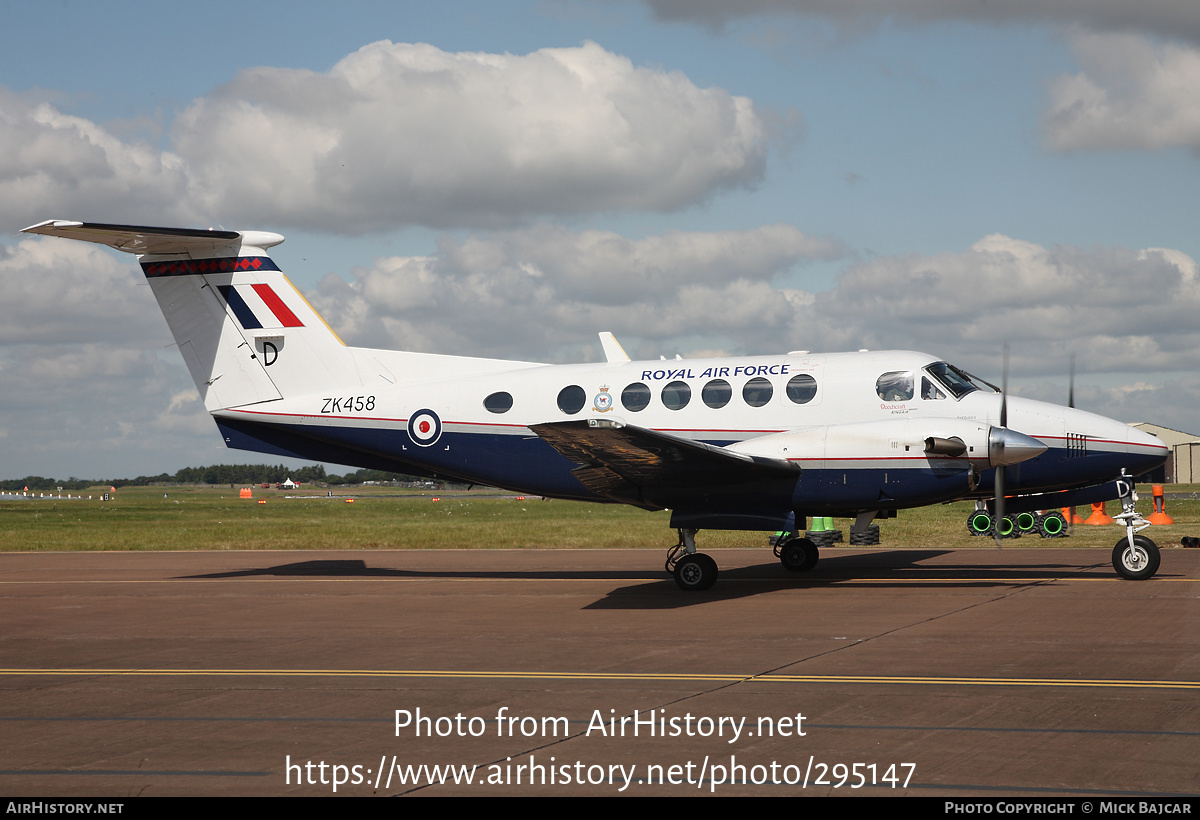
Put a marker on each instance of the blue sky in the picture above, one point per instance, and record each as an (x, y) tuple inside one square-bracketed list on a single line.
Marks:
[(915, 178)]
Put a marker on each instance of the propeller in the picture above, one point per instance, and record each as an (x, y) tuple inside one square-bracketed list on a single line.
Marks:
[(1071, 388), (998, 506), (1071, 404)]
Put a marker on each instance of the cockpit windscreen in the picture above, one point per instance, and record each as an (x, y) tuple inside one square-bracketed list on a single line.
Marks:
[(958, 382)]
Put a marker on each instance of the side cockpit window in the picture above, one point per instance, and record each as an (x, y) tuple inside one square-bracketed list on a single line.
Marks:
[(895, 386), (929, 390)]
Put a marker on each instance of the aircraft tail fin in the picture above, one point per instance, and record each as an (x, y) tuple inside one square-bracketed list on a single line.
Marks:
[(247, 334)]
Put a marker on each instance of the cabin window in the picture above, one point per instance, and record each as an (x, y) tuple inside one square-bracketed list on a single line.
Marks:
[(929, 390), (635, 397), (757, 392), (716, 393), (571, 399), (676, 395), (895, 386), (498, 402), (802, 388)]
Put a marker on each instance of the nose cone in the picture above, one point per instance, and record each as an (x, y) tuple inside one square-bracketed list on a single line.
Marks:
[(1114, 443), (1007, 447), (1146, 452)]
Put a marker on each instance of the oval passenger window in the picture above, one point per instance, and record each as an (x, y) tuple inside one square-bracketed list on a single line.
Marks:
[(676, 395), (801, 388), (571, 399), (498, 402), (635, 397), (757, 392)]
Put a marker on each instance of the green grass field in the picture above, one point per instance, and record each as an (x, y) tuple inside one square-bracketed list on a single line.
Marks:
[(204, 518)]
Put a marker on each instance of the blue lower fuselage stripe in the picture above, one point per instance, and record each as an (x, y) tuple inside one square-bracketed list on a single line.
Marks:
[(527, 464)]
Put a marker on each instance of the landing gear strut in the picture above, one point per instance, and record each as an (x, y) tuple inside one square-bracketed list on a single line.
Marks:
[(693, 571), (1135, 557)]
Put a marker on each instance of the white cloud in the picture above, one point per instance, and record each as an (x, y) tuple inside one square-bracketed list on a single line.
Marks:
[(1173, 18), (98, 410), (57, 291), (397, 134), (1132, 93), (51, 161), (544, 292), (409, 134), (1118, 309), (90, 382), (1170, 403)]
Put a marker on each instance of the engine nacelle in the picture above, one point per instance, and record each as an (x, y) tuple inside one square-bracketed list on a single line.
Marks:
[(938, 443)]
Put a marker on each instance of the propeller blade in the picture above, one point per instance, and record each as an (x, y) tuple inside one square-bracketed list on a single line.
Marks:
[(998, 505), (1004, 391), (1071, 390)]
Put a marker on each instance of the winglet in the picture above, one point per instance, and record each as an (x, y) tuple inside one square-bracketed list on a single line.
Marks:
[(613, 352)]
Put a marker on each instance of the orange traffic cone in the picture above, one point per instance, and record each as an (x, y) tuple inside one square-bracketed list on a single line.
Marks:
[(1159, 516), (1098, 517)]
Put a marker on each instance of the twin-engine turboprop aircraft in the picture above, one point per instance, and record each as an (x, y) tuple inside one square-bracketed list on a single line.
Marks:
[(752, 443)]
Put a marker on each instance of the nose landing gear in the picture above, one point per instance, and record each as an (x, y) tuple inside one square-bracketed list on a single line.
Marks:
[(1135, 557)]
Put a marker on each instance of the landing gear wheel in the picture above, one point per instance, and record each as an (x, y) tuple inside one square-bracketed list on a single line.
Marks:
[(695, 572), (799, 555), (1136, 563)]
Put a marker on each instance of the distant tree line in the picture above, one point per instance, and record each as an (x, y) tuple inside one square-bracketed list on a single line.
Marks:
[(217, 474)]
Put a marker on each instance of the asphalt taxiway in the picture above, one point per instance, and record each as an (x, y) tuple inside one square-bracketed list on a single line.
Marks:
[(1030, 672)]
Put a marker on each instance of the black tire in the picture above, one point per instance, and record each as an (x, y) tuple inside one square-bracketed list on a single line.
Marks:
[(696, 572), (1008, 527), (979, 523), (1138, 563), (869, 538), (1053, 525), (799, 555), (824, 538), (1027, 522)]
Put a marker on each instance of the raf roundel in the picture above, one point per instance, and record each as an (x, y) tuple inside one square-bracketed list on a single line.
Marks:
[(424, 428)]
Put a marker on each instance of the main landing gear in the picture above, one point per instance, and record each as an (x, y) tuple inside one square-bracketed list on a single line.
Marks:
[(693, 571), (797, 554), (1135, 557)]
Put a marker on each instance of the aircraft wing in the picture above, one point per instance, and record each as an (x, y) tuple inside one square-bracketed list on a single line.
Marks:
[(649, 469)]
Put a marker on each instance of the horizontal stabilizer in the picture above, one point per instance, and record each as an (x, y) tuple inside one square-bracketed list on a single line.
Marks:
[(142, 239)]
